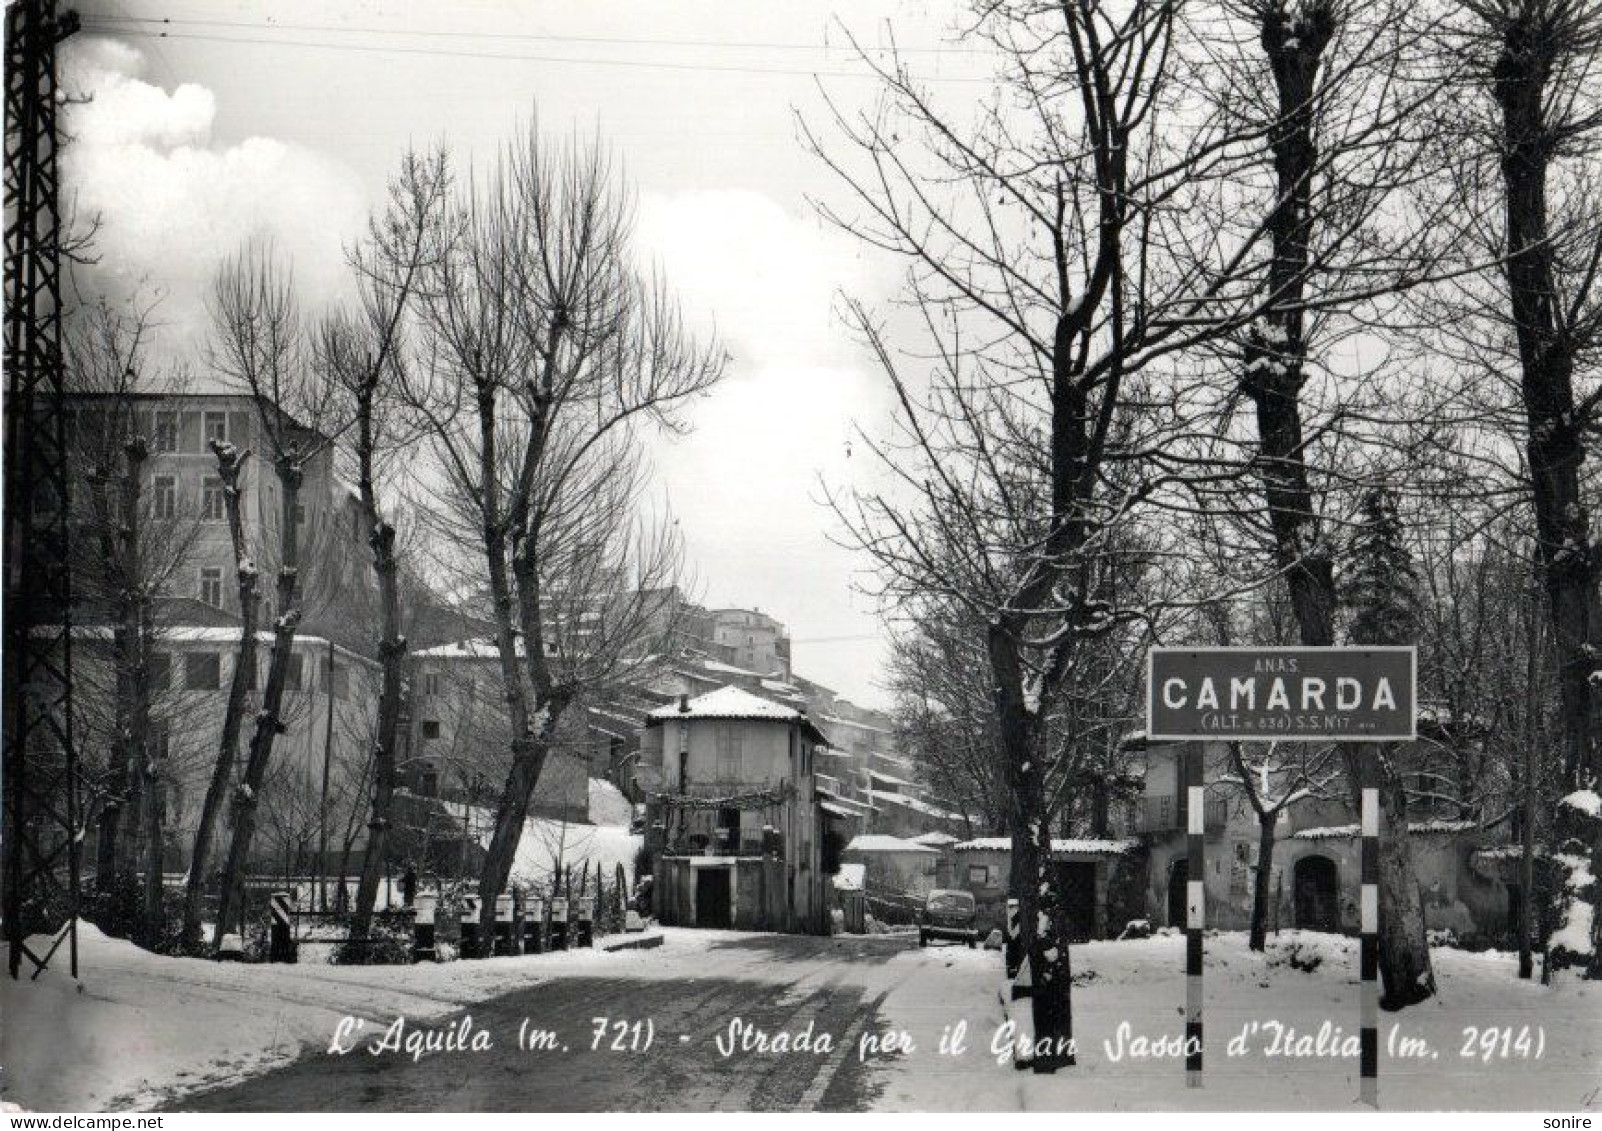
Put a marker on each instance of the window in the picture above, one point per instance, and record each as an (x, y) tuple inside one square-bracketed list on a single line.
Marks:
[(164, 497), (295, 672), (300, 515), (430, 684), (979, 875), (336, 680), (202, 671), (728, 752), (430, 728), (212, 507), (214, 427), (211, 586), (164, 432), (160, 671)]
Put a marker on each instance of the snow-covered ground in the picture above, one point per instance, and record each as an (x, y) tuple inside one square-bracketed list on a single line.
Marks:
[(139, 1028), (143, 1028), (1140, 984), (547, 843)]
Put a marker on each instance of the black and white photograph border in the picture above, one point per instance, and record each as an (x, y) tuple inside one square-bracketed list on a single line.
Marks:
[(1009, 556)]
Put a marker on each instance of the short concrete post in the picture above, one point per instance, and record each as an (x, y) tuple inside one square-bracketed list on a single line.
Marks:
[(423, 927), (534, 926), (558, 938), (503, 926)]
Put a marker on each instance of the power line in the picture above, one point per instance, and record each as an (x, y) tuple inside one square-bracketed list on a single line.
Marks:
[(542, 37), (396, 49)]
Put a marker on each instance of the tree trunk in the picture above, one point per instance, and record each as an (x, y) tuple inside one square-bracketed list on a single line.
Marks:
[(1404, 948), (1555, 448), (1274, 374), (392, 654), (1042, 915), (230, 464), (118, 799), (269, 720), (1262, 897)]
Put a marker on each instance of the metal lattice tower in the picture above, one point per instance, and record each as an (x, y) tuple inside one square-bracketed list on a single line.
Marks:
[(43, 826)]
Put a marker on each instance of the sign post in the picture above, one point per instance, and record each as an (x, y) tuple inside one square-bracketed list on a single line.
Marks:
[(1195, 758), (1275, 694), (1369, 942)]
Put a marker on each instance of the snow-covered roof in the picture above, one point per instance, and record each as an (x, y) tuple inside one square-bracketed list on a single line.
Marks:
[(728, 703), (204, 634), (879, 842), (728, 669), (856, 808), (917, 805), (831, 804), (934, 840), (1004, 844), (850, 877), (893, 780), (476, 649), (1415, 828)]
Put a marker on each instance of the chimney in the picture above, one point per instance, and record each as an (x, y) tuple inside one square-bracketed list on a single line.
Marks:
[(684, 704)]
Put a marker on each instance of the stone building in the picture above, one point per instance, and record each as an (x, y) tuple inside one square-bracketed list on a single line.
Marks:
[(733, 821), (1314, 879)]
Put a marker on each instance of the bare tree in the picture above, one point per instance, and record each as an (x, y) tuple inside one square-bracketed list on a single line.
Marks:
[(140, 542), (1517, 170), (540, 350), (260, 347), (1343, 96), (1055, 274), (362, 355), (230, 471)]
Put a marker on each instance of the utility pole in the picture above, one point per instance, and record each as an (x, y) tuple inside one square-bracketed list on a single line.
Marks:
[(322, 812), (43, 828)]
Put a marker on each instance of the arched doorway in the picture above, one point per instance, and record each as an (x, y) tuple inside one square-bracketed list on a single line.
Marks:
[(1314, 894), (1178, 881)]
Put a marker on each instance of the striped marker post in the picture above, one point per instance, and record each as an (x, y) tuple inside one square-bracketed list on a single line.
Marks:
[(1195, 910), (1369, 1067), (1013, 952), (281, 944), (470, 912)]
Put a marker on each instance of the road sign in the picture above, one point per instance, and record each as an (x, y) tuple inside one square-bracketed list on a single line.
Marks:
[(1353, 694)]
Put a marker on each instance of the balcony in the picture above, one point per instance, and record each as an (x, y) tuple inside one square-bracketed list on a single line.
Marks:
[(1162, 813)]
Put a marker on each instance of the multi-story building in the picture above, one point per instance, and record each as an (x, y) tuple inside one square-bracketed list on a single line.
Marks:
[(734, 822), (316, 790), (1314, 876), (184, 496), (460, 737), (754, 640)]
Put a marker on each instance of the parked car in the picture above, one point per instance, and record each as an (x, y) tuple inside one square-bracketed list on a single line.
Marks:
[(949, 915)]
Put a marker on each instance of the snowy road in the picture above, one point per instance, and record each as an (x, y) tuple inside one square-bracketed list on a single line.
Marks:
[(683, 1069), (140, 1031)]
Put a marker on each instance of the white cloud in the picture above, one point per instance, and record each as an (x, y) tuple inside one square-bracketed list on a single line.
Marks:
[(769, 276), (172, 203), (746, 485)]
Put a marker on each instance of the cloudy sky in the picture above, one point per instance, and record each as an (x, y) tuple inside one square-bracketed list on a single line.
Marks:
[(211, 123)]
